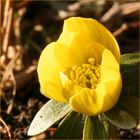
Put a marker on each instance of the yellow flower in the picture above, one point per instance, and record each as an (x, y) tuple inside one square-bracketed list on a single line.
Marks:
[(82, 67)]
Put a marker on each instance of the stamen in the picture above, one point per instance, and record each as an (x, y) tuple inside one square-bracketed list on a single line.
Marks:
[(87, 75), (91, 61)]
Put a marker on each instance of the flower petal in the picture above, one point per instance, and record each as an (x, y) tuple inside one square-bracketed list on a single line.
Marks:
[(71, 49), (85, 102), (68, 56), (95, 31), (107, 93), (110, 69), (77, 50), (68, 88), (70, 38), (94, 50), (48, 72), (91, 103)]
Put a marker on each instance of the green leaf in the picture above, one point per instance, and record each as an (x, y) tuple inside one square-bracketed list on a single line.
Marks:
[(120, 118), (130, 58), (95, 128), (130, 78), (49, 114), (130, 104), (71, 127), (130, 74), (114, 135)]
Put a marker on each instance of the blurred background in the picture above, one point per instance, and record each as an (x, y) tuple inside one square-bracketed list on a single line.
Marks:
[(26, 27)]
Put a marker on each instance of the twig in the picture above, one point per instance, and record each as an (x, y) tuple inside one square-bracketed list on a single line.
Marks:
[(17, 22), (6, 8), (123, 10), (120, 30), (110, 13), (126, 26), (5, 125), (19, 82), (9, 73), (10, 107), (7, 32), (130, 8), (9, 67), (76, 5)]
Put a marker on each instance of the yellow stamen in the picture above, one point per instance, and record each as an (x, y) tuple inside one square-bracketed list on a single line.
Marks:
[(87, 75)]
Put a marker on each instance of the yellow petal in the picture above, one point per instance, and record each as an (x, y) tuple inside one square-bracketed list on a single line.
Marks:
[(95, 31), (91, 103), (85, 102), (77, 50), (110, 69), (68, 87), (68, 56), (74, 38), (94, 50), (48, 73), (107, 93), (71, 49), (111, 76)]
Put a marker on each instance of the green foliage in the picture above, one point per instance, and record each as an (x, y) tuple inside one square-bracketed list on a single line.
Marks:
[(130, 78), (95, 128), (129, 100), (71, 127), (49, 114), (130, 74), (120, 118), (130, 104), (130, 58)]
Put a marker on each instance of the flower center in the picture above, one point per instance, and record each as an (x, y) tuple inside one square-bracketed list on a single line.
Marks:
[(87, 75)]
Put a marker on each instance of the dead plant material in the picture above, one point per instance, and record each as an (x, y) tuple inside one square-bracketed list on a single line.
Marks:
[(6, 127), (7, 21), (126, 26), (8, 76), (6, 9), (120, 30), (114, 10), (17, 30), (9, 69), (130, 8), (120, 9)]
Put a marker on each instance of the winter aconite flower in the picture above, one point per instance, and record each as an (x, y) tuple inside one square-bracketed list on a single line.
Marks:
[(82, 67)]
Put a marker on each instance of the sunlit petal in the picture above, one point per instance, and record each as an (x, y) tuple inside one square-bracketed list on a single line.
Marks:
[(110, 69), (85, 101), (48, 73), (95, 31), (78, 54)]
